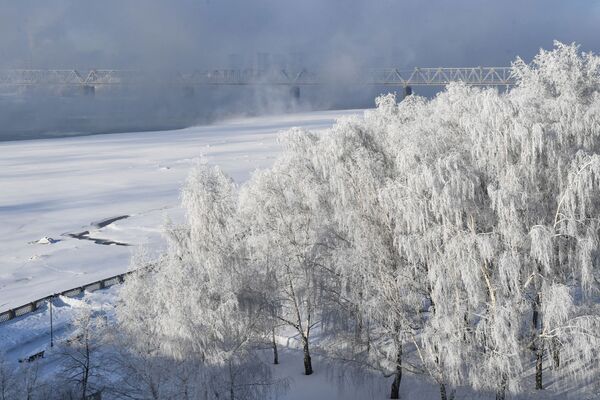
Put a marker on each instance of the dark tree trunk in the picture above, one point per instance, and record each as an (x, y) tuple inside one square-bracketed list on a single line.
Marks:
[(556, 353), (443, 394), (535, 314), (275, 354), (501, 393), (231, 383), (467, 325), (308, 370), (539, 356), (86, 370), (538, 346), (358, 330), (359, 320), (395, 392)]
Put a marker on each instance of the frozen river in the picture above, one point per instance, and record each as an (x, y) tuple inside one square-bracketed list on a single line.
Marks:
[(100, 197)]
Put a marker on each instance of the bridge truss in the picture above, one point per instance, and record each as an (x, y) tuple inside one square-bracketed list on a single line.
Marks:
[(480, 76)]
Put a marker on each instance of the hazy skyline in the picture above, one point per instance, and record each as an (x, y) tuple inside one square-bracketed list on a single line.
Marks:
[(184, 34), (330, 37)]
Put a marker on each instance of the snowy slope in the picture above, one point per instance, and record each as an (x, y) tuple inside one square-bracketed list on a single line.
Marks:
[(60, 187)]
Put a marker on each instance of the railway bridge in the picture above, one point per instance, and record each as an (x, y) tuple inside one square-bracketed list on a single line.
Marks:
[(88, 81)]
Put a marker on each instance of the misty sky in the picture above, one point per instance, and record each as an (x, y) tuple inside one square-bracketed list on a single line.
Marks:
[(187, 34)]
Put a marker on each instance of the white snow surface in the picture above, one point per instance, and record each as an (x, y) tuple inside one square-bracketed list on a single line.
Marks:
[(30, 334), (56, 187), (27, 335)]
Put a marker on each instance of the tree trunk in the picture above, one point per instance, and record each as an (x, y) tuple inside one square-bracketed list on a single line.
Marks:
[(556, 353), (84, 387), (359, 319), (86, 369), (359, 329), (275, 355), (501, 393), (154, 391), (308, 370), (443, 394), (538, 346), (539, 367), (395, 393), (231, 383)]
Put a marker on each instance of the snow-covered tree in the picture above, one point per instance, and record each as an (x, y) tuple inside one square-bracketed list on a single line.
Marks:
[(81, 362), (200, 313), (540, 149), (456, 237), (287, 235), (8, 389), (454, 156), (138, 341), (375, 286)]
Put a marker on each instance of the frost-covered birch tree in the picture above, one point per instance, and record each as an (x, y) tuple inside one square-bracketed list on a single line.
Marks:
[(455, 237), (288, 237), (541, 162), (376, 283), (197, 313)]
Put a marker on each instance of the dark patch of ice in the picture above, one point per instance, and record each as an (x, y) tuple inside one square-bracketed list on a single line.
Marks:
[(85, 236), (108, 221)]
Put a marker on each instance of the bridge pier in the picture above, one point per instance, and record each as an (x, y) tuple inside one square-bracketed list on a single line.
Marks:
[(89, 90), (407, 91), (295, 92)]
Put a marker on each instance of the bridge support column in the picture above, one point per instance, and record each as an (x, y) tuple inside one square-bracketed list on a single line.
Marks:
[(295, 92), (407, 91), (89, 90)]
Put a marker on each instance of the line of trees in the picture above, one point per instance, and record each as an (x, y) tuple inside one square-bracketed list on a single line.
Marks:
[(455, 238)]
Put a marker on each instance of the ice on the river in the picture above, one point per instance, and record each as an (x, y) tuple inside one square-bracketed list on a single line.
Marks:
[(94, 198)]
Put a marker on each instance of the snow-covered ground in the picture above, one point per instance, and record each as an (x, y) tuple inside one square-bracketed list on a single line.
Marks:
[(332, 380), (30, 334), (59, 187)]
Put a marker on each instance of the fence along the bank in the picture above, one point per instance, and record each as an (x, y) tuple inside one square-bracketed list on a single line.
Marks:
[(90, 287)]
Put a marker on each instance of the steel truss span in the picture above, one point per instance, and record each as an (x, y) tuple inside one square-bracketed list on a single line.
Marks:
[(480, 76)]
